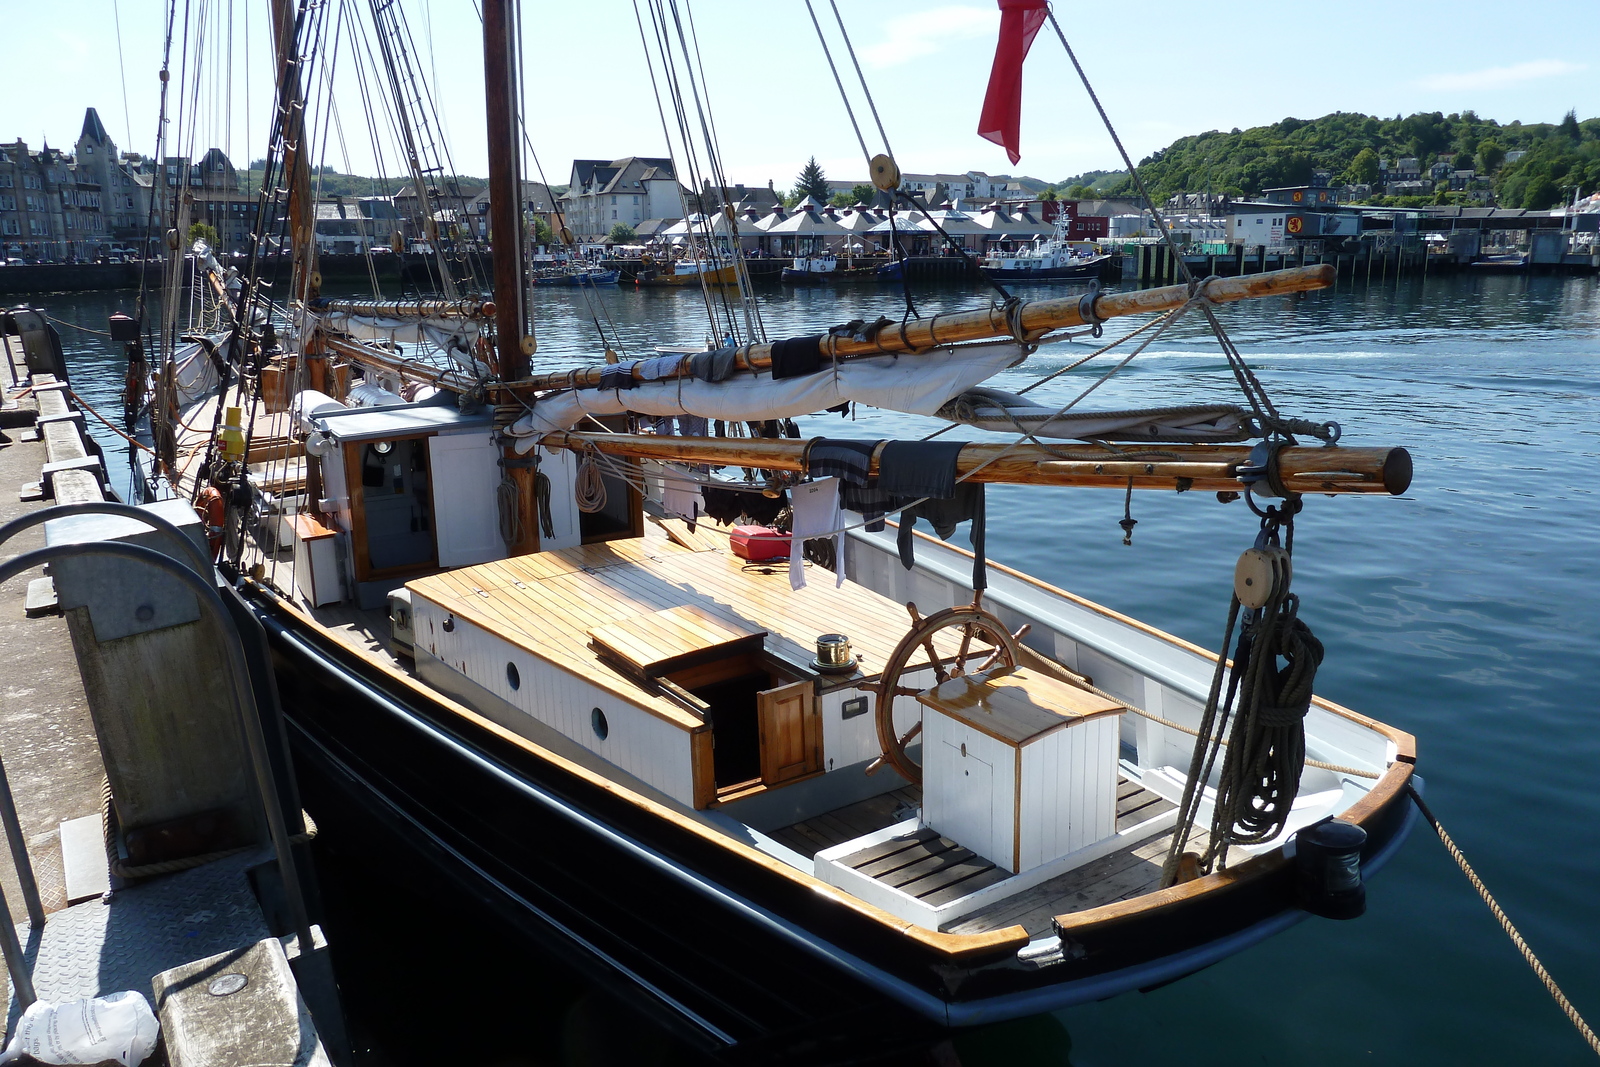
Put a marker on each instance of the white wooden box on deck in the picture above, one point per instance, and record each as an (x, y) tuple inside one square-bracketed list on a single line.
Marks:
[(1018, 767)]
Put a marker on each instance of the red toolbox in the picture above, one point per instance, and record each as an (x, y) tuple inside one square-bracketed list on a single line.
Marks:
[(759, 543)]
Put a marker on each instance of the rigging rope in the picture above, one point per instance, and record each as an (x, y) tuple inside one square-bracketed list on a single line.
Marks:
[(1260, 775), (1266, 413)]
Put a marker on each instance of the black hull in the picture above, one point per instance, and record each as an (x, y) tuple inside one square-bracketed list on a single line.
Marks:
[(729, 955)]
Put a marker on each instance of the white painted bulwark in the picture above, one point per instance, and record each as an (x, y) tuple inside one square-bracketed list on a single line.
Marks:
[(465, 473), (640, 742)]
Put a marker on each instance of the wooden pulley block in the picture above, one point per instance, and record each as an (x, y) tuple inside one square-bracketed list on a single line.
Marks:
[(1261, 575), (315, 279), (172, 239), (529, 345), (885, 174)]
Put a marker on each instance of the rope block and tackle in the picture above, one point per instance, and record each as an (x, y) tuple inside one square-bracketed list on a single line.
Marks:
[(1261, 710)]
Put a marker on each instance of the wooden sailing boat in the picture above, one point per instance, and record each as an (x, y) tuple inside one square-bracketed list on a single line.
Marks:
[(620, 734)]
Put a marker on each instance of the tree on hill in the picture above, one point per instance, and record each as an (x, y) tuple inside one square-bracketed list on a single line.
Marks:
[(621, 234), (1247, 161), (1490, 155), (1540, 194), (1569, 127), (842, 199), (811, 182), (1463, 161), (1363, 169), (863, 194)]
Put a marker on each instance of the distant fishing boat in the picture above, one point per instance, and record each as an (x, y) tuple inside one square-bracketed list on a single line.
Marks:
[(1050, 259), (578, 277), (688, 272), (812, 270)]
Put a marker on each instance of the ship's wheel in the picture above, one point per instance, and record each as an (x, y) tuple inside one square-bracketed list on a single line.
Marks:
[(976, 626)]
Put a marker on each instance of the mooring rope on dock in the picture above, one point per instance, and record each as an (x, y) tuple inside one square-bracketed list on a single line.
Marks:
[(108, 423), (1505, 923)]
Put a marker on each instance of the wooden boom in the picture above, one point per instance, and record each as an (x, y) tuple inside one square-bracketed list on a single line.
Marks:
[(408, 309), (1034, 318), (1211, 468)]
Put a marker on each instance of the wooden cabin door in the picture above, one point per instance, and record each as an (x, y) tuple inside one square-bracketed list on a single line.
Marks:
[(791, 732)]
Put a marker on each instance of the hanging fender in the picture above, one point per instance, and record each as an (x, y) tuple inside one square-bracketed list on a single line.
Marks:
[(212, 508)]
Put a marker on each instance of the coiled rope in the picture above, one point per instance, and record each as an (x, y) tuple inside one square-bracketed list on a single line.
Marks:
[(541, 496), (1267, 746), (508, 498), (1500, 916), (590, 486)]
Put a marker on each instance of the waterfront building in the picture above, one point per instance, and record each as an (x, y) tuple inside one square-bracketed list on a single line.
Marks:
[(124, 186), (1261, 226), (538, 202), (439, 208), (603, 193), (1301, 195), (755, 197), (213, 195), (974, 184), (346, 224)]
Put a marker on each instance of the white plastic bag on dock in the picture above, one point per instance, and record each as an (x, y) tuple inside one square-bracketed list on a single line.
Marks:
[(119, 1027)]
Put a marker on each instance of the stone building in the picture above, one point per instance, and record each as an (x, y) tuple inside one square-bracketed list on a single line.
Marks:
[(603, 193)]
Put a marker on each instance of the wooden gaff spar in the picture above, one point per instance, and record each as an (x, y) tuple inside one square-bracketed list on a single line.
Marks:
[(408, 309), (1210, 468), (1030, 318)]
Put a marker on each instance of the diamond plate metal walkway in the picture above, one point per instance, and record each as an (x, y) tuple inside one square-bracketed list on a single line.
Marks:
[(97, 948)]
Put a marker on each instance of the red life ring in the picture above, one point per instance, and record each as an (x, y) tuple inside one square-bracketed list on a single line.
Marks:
[(213, 510)]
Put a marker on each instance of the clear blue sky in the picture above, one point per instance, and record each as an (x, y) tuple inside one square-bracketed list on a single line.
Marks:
[(1161, 68)]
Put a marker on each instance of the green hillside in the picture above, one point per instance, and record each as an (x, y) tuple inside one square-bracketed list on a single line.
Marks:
[(1243, 162)]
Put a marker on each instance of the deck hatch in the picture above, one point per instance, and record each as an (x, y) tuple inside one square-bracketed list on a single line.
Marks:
[(662, 642)]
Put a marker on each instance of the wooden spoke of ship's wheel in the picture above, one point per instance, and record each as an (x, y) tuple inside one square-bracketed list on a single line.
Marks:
[(975, 624)]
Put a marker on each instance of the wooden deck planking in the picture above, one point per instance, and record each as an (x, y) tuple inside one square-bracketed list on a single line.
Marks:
[(811, 836), (547, 602), (1131, 871)]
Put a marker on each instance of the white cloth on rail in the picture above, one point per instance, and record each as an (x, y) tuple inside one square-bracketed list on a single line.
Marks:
[(815, 510), (680, 493)]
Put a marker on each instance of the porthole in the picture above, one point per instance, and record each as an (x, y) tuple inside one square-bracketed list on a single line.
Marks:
[(513, 679), (597, 719)]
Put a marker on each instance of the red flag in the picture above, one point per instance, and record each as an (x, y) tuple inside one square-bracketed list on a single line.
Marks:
[(1001, 120)]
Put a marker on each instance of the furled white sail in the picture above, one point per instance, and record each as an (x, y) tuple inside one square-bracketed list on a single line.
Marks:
[(456, 337), (917, 384), (994, 409)]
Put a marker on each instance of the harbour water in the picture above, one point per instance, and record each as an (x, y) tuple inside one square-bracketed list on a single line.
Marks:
[(1465, 612)]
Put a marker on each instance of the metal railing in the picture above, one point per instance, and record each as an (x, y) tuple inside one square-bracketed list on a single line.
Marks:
[(200, 579)]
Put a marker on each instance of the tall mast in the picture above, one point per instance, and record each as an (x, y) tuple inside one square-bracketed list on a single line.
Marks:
[(296, 164), (505, 186)]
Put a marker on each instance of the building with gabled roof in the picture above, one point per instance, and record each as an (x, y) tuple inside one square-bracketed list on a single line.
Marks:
[(604, 193)]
